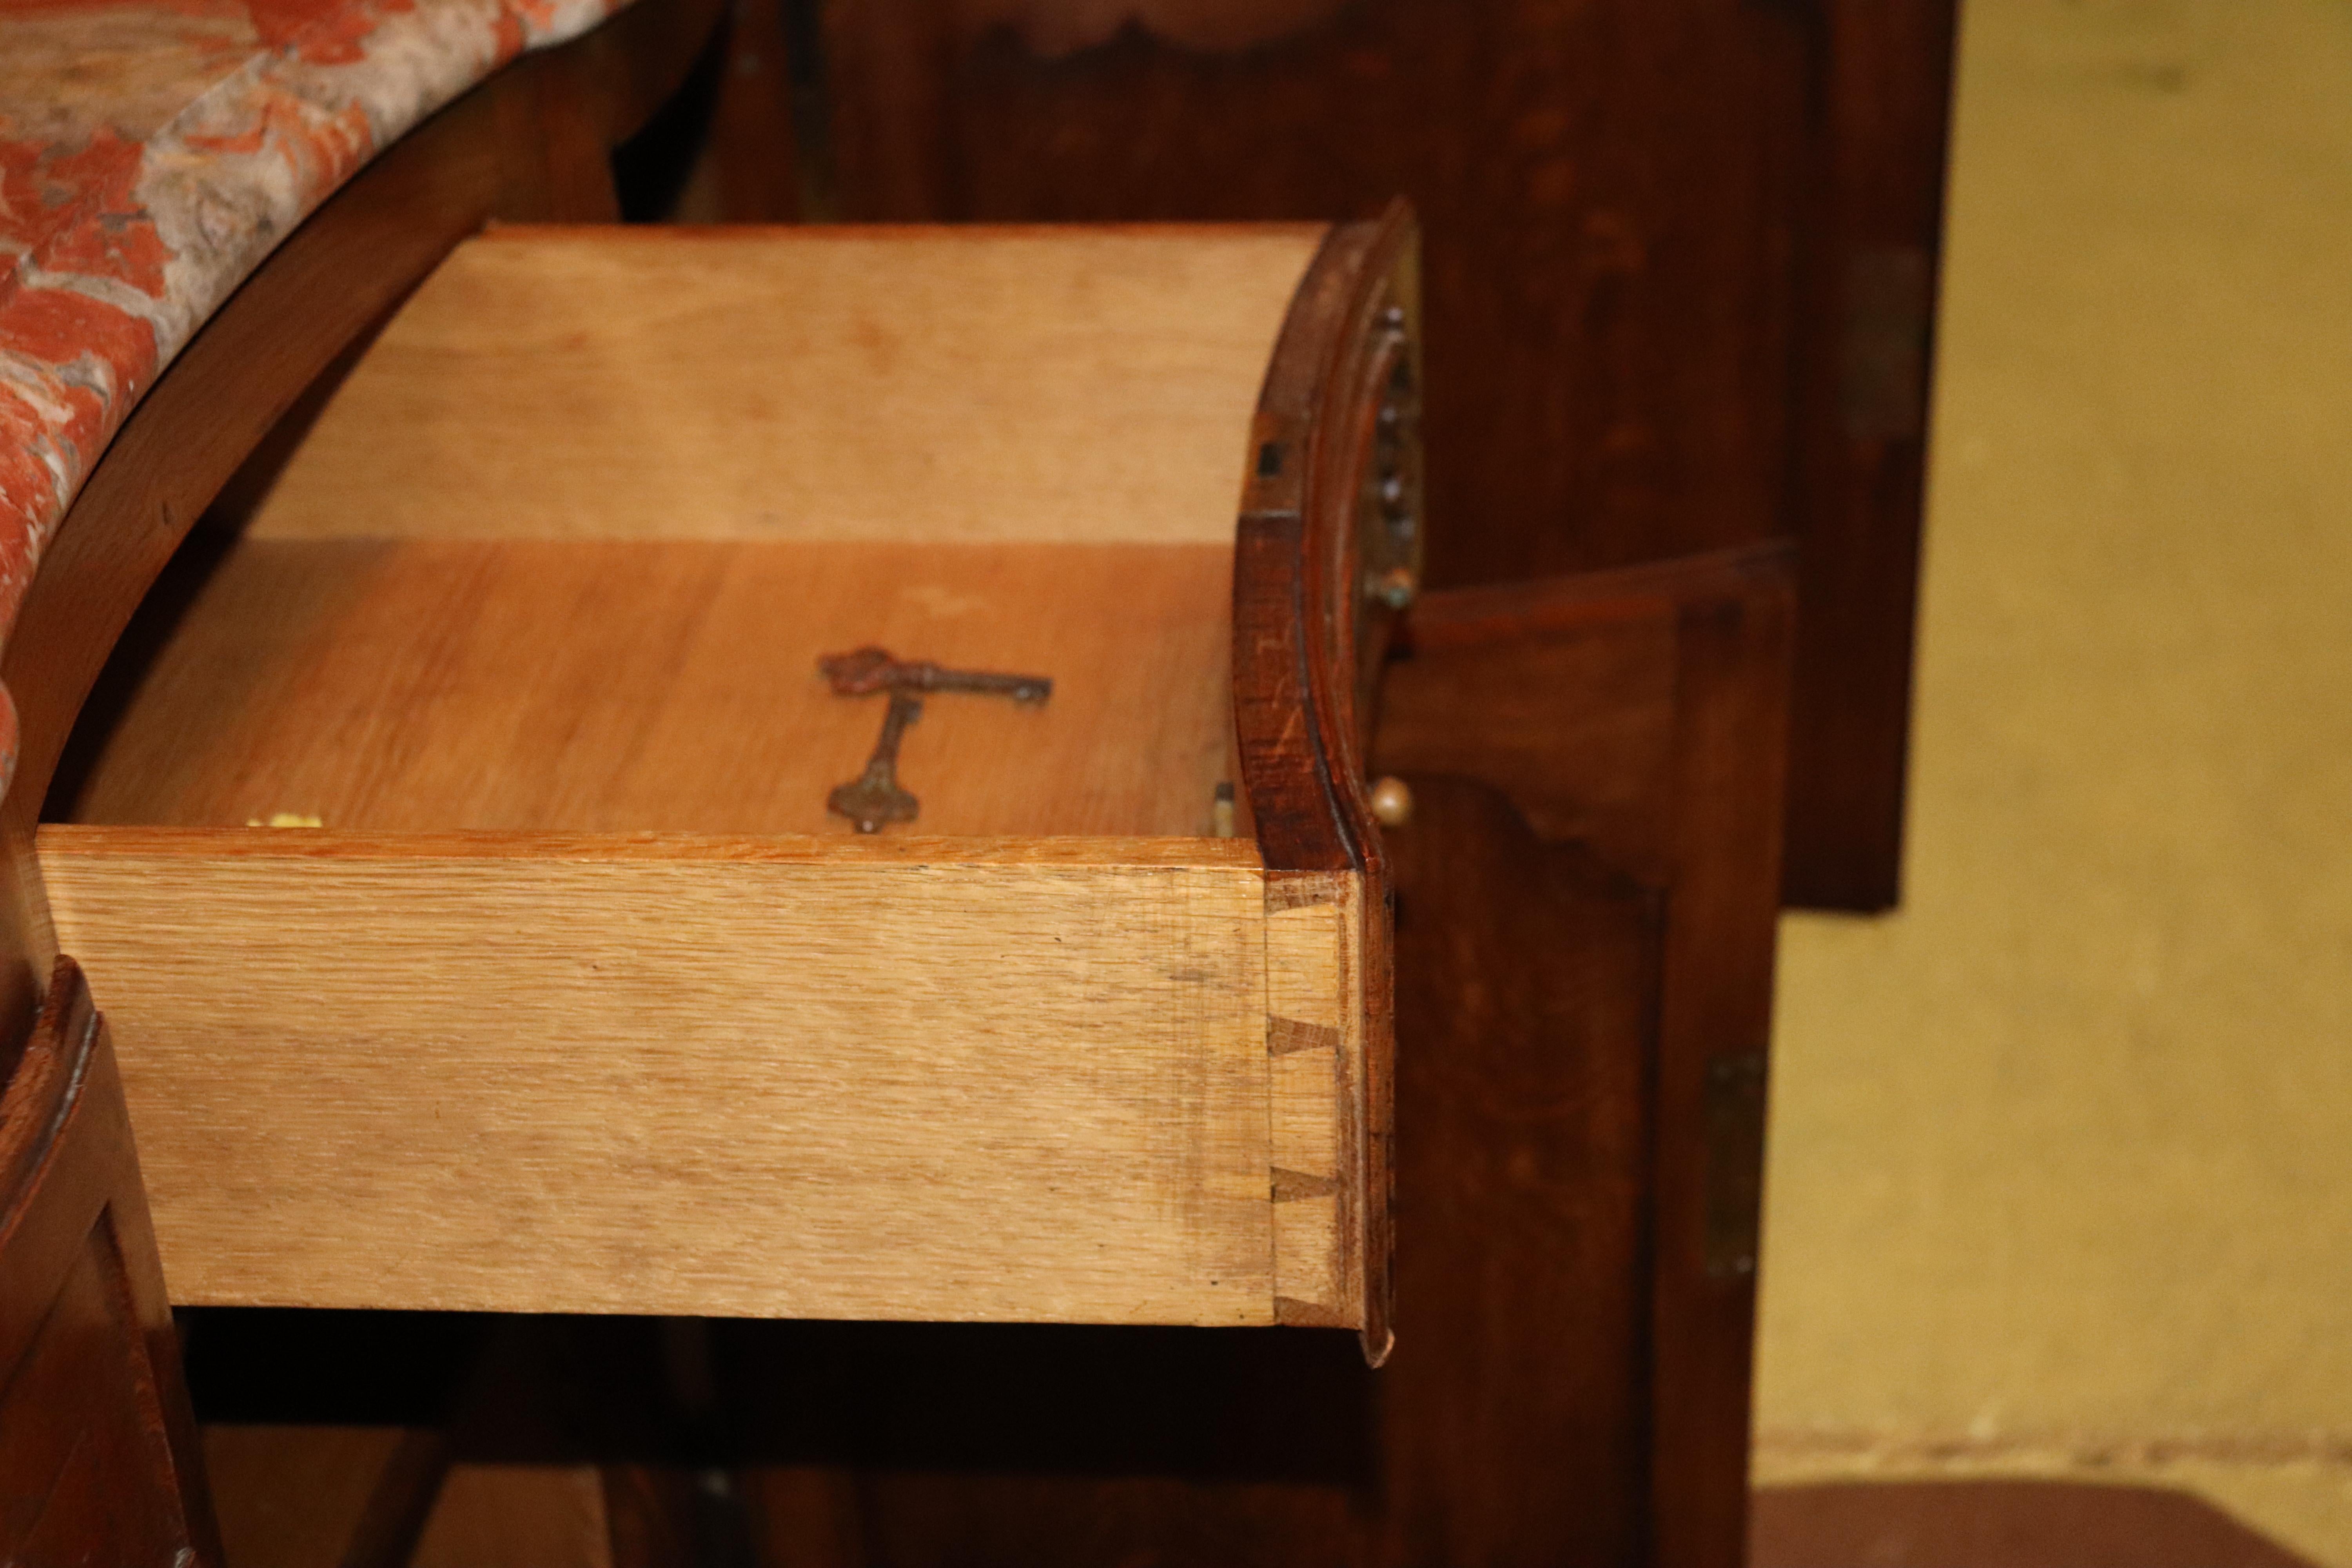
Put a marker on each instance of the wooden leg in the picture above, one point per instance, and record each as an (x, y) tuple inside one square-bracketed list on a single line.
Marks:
[(99, 1460)]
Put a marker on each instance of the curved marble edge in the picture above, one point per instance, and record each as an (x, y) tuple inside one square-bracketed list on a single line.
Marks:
[(157, 230)]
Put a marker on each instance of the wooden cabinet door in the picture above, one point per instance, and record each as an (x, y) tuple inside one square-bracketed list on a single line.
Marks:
[(1679, 267), (1588, 1216), (99, 1459)]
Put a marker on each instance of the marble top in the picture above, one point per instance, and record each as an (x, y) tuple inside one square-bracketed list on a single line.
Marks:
[(152, 153)]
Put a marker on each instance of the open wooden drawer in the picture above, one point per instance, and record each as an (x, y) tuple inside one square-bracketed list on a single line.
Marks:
[(577, 999)]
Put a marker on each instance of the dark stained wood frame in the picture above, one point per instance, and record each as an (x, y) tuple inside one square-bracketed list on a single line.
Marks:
[(1298, 601), (1713, 852), (1660, 180), (1865, 330), (73, 1213)]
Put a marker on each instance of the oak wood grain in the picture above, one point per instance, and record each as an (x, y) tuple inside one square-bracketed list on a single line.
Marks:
[(806, 383), (690, 1078), (601, 685)]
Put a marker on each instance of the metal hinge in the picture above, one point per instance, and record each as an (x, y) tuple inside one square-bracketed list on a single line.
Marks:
[(1735, 1162)]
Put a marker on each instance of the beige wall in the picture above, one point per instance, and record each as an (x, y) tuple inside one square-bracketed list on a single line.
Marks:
[(2062, 1162)]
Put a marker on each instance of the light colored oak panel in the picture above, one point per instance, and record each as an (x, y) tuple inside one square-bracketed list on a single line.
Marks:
[(1306, 1088), (802, 382), (803, 1079), (1314, 1050), (1309, 1241), (672, 685), (1308, 960)]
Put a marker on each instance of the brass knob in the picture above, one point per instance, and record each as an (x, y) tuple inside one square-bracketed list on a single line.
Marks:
[(1392, 802), (1395, 588)]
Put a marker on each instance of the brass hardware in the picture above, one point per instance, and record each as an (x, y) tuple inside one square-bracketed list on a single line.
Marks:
[(1392, 802), (873, 799), (1395, 588), (1386, 542), (1735, 1162)]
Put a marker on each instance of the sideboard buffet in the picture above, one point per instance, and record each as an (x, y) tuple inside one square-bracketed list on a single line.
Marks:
[(414, 586)]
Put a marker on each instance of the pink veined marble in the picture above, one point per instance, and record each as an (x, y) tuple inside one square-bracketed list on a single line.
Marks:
[(152, 153)]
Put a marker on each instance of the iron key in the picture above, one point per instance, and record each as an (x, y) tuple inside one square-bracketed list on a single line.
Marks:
[(873, 669), (874, 797)]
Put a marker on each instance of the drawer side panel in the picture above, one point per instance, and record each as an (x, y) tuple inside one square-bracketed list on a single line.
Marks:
[(528, 1083)]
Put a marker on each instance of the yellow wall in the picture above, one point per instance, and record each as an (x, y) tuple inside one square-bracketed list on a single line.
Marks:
[(2061, 1155)]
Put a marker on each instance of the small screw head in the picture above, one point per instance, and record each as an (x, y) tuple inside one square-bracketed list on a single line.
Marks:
[(1395, 587), (1392, 802)]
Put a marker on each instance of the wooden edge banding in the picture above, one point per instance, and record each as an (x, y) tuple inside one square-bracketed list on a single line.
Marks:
[(211, 845), (1294, 609)]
